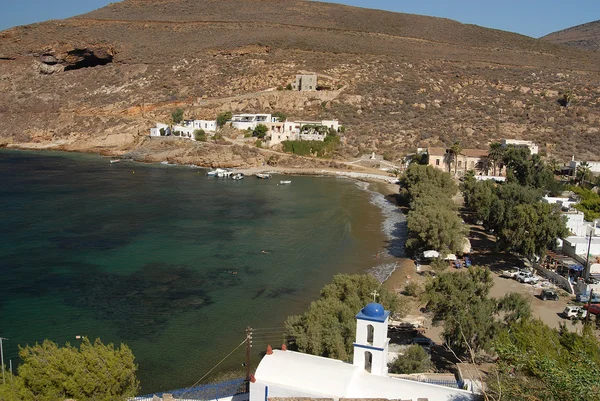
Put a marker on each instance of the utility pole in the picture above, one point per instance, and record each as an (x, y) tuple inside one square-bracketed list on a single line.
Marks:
[(248, 346), (587, 260), (2, 359), (587, 315)]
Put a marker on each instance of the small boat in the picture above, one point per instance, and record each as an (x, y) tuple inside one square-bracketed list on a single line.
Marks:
[(215, 172), (238, 176), (263, 176), (284, 182), (115, 161)]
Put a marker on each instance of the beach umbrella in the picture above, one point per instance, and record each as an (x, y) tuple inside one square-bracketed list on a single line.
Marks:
[(431, 254), (450, 256)]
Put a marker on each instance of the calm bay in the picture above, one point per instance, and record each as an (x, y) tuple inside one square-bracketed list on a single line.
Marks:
[(169, 261)]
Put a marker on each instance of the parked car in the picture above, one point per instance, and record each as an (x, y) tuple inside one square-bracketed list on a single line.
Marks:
[(510, 273), (574, 312), (594, 309), (548, 294), (527, 277), (586, 298), (424, 342)]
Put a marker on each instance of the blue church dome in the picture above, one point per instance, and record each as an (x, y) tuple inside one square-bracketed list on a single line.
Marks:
[(373, 310)]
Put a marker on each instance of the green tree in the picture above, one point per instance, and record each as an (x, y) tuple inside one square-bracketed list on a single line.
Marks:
[(456, 150), (288, 87), (177, 116), (328, 328), (222, 118), (200, 135), (434, 227), (414, 360), (162, 132), (584, 172), (536, 362), (94, 372), (495, 155), (281, 116), (418, 177), (531, 229), (471, 319), (260, 131)]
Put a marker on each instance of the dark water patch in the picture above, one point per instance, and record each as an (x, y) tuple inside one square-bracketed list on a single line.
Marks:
[(280, 292)]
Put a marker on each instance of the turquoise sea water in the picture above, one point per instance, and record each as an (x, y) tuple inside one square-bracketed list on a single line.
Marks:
[(167, 260)]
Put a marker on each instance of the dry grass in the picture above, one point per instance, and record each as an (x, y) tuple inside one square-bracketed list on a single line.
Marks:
[(411, 80)]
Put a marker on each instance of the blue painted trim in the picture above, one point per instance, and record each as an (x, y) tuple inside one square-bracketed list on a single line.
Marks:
[(370, 319), (368, 347), (266, 393)]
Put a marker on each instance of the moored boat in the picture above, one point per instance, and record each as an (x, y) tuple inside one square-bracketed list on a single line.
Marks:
[(285, 182), (263, 176), (238, 176), (115, 161)]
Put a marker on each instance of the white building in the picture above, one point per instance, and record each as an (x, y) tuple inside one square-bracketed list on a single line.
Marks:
[(291, 131), (578, 246), (156, 131), (533, 148), (283, 373), (594, 166), (576, 223), (250, 121), (206, 125), (561, 201)]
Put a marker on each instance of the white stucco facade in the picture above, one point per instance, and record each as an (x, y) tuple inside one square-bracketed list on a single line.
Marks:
[(578, 246), (533, 148), (594, 166)]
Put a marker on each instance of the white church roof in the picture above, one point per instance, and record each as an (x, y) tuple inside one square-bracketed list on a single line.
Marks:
[(293, 374)]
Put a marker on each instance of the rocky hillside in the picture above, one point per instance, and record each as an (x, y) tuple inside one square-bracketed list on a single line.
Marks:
[(586, 36), (98, 81)]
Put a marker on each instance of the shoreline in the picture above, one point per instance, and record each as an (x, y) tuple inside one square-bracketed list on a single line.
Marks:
[(382, 184)]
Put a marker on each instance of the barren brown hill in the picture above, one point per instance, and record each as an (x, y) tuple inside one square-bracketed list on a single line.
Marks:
[(585, 36), (98, 81)]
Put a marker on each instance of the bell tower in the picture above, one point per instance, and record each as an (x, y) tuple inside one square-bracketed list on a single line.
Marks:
[(371, 345)]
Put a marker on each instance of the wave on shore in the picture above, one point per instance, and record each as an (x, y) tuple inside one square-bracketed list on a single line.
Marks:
[(395, 230)]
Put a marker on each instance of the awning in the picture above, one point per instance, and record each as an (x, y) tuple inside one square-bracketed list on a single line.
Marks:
[(576, 268), (431, 254), (450, 257)]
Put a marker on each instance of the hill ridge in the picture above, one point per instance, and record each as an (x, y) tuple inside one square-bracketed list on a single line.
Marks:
[(585, 36)]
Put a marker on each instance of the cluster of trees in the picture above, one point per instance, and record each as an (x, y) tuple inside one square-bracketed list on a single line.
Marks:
[(222, 118), (590, 203), (470, 317), (433, 221), (533, 361), (514, 211), (328, 328), (92, 372)]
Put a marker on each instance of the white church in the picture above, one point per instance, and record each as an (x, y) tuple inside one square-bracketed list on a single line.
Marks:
[(287, 374)]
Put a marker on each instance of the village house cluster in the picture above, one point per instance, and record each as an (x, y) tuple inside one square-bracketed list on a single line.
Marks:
[(476, 160), (277, 131)]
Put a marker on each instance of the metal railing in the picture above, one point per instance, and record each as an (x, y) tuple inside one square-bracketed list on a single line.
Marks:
[(205, 392)]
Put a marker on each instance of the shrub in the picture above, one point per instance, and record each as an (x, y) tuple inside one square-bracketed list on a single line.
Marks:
[(413, 289), (200, 135), (414, 360), (177, 116)]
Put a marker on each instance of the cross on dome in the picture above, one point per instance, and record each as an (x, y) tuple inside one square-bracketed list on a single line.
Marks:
[(375, 294)]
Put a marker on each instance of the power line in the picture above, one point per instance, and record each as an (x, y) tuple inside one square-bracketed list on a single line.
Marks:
[(214, 367)]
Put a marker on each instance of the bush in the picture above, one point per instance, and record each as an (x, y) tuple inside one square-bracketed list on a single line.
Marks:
[(259, 143), (413, 289), (200, 135), (260, 131), (177, 116), (288, 87), (223, 118), (414, 360)]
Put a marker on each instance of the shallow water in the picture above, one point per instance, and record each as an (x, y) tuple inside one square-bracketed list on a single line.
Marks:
[(169, 261)]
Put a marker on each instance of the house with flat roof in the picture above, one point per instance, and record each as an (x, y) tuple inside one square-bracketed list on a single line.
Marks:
[(533, 148)]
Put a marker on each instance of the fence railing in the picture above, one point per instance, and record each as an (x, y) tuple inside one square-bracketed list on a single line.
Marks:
[(446, 383), (202, 393)]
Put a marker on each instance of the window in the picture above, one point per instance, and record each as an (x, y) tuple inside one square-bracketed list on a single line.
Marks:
[(368, 361), (459, 164), (437, 162), (370, 331)]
